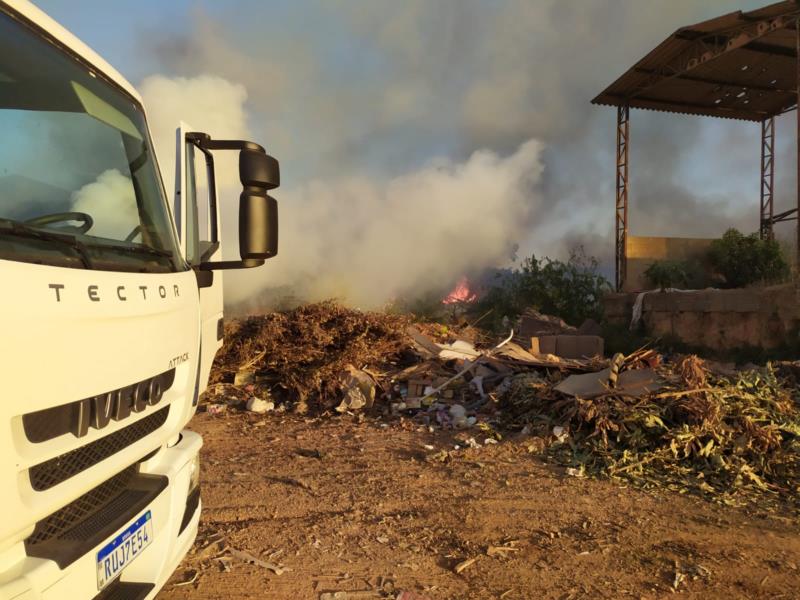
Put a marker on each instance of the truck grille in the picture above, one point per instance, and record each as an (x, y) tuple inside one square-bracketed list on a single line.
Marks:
[(50, 423), (60, 468), (73, 513), (73, 530)]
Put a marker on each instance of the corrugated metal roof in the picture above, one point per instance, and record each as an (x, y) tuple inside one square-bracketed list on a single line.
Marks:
[(742, 65)]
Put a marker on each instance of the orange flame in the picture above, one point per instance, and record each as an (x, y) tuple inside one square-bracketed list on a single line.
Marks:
[(460, 293)]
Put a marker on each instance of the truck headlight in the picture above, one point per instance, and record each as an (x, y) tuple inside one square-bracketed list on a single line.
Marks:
[(194, 473)]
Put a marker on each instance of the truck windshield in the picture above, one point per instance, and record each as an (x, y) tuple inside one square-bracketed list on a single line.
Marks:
[(79, 186)]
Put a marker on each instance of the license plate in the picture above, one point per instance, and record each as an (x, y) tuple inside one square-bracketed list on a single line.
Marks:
[(120, 552)]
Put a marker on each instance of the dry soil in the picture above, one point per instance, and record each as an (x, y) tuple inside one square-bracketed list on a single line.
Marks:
[(363, 507)]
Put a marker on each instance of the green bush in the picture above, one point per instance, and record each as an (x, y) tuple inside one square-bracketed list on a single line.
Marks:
[(426, 307), (746, 259), (572, 290), (668, 274)]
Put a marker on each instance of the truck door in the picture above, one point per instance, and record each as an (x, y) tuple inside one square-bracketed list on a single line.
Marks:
[(197, 221)]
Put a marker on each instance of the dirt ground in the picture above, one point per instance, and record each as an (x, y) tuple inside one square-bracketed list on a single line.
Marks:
[(363, 507)]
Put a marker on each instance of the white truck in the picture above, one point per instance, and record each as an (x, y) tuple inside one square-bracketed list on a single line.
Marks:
[(110, 316)]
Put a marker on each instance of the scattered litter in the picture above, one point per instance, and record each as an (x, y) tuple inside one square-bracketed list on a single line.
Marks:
[(310, 453), (294, 482), (351, 595), (504, 550), (458, 414), (192, 575), (458, 350), (464, 564), (359, 390), (532, 323), (216, 409), (259, 406), (249, 558), (630, 383), (224, 563), (406, 595), (560, 434), (244, 377), (679, 577), (567, 346)]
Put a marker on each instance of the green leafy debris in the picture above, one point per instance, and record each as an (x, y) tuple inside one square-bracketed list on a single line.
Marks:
[(728, 438)]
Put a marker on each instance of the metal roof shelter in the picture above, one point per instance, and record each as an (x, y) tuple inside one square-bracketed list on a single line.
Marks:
[(743, 65)]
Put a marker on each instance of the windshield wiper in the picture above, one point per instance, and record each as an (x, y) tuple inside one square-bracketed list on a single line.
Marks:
[(14, 228), (147, 250)]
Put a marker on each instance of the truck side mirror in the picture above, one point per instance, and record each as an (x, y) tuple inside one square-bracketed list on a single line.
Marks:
[(258, 211)]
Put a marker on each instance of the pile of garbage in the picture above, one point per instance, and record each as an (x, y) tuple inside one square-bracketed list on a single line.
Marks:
[(324, 357), (679, 422), (299, 356)]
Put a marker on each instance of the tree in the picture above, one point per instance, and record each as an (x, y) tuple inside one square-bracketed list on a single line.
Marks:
[(746, 259), (572, 290), (667, 274)]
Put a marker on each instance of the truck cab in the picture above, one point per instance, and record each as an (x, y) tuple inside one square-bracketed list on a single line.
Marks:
[(111, 313)]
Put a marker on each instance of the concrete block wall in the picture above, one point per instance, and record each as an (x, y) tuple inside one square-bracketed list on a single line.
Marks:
[(717, 319)]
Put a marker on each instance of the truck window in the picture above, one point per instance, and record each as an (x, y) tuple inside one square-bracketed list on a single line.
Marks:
[(201, 230), (79, 186)]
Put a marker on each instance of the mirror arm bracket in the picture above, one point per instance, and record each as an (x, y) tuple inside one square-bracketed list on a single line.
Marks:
[(204, 142), (231, 264), (258, 225)]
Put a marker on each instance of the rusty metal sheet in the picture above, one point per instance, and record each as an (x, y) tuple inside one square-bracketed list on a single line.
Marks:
[(737, 66)]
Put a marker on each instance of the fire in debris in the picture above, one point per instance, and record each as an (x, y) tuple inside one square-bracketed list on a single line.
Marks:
[(460, 293)]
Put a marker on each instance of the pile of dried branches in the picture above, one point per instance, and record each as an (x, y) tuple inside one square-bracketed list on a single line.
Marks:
[(703, 432), (305, 350)]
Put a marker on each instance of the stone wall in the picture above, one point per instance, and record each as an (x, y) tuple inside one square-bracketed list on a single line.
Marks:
[(717, 319)]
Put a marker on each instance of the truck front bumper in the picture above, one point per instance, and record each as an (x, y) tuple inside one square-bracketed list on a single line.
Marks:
[(175, 517)]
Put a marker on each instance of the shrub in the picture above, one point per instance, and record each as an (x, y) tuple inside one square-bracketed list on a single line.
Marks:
[(668, 274), (572, 290), (746, 259)]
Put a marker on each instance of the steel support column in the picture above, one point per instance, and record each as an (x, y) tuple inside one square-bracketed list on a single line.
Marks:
[(797, 116), (767, 177), (623, 131)]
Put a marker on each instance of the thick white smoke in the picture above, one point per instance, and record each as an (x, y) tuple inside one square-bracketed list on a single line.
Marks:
[(368, 241), (360, 239), (356, 100), (111, 202), (210, 104)]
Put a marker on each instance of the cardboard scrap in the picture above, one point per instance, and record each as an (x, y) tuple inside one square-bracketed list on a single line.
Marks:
[(568, 346), (517, 354), (459, 349), (630, 383), (423, 343)]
